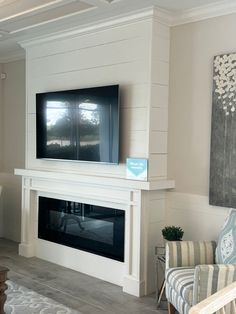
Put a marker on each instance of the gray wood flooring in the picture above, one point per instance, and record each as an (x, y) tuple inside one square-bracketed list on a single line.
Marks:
[(84, 293)]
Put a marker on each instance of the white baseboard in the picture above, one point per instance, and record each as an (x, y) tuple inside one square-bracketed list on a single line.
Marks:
[(26, 250), (133, 286)]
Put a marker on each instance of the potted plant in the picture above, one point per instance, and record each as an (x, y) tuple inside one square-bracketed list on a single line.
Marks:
[(172, 233)]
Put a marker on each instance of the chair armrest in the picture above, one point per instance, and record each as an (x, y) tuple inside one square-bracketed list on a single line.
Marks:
[(209, 279), (189, 253), (217, 301)]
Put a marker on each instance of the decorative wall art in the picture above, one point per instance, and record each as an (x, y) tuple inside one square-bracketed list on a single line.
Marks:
[(223, 132)]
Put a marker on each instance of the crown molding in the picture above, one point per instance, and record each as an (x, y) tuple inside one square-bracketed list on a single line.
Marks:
[(204, 12), (162, 16), (131, 17)]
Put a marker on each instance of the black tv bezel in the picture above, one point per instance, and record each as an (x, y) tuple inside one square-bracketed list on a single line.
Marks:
[(78, 160)]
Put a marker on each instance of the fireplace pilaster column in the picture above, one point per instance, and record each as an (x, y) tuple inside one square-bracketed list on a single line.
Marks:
[(132, 283), (27, 246)]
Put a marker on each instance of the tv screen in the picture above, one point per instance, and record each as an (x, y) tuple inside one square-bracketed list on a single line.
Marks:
[(80, 124)]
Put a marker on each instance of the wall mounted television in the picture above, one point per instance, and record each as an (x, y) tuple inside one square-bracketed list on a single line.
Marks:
[(81, 124)]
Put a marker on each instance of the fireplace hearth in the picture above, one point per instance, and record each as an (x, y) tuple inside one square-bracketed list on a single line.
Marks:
[(95, 229)]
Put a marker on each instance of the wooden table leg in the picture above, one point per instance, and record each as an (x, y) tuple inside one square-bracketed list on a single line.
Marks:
[(3, 287), (171, 309)]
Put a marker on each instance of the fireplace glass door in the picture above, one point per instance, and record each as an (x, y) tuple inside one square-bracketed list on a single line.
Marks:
[(96, 229)]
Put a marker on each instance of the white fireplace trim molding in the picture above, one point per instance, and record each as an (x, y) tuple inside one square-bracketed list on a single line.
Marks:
[(130, 274)]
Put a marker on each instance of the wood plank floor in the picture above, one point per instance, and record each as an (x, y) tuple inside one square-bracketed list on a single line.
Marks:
[(84, 293)]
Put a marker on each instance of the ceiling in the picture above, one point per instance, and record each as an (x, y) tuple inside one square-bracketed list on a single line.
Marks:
[(27, 19)]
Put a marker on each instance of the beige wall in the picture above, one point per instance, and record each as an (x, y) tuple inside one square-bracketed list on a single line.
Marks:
[(13, 145), (192, 49), (14, 115)]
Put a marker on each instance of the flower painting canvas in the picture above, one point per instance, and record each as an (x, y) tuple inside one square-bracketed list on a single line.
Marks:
[(223, 132)]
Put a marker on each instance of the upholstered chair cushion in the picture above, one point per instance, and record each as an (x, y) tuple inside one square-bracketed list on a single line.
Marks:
[(226, 246), (179, 287), (181, 277)]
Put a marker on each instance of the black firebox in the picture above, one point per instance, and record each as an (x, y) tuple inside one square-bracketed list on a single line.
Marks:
[(96, 229)]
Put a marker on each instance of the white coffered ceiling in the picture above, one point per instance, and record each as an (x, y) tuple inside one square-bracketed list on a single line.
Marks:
[(28, 19)]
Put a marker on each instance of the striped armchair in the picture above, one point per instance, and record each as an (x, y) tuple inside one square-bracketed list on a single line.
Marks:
[(191, 275)]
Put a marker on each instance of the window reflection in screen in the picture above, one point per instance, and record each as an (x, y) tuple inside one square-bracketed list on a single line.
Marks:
[(88, 133), (59, 128)]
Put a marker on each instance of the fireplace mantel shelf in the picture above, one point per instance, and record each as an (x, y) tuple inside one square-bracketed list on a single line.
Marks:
[(161, 184)]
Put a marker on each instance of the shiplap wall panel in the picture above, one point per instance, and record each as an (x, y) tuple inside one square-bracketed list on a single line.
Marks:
[(135, 145), (159, 96), (91, 39), (135, 72), (158, 127), (155, 204), (161, 48), (154, 239), (134, 119), (156, 210), (132, 50), (159, 119), (135, 56), (157, 166), (122, 57), (160, 72), (161, 30), (97, 77), (134, 96), (157, 195), (158, 142)]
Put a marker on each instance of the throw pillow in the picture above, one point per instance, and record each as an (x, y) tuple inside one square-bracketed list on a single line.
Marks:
[(226, 246)]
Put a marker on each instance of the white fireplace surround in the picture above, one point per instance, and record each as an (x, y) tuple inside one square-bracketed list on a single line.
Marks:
[(132, 51), (114, 193)]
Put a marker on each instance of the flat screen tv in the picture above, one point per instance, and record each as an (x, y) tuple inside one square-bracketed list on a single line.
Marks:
[(81, 124)]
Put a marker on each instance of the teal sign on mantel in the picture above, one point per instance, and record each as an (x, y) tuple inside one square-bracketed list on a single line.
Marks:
[(136, 169)]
